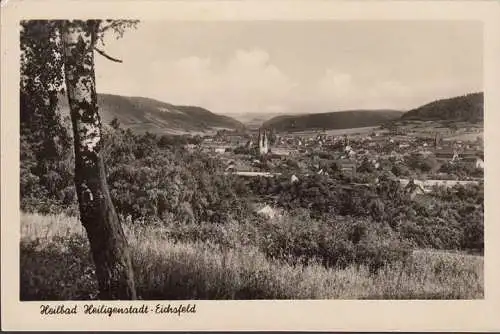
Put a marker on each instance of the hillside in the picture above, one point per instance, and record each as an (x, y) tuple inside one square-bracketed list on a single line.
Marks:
[(254, 119), (466, 108), (332, 120), (144, 114)]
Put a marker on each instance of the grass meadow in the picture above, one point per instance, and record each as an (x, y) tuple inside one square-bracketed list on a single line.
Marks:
[(55, 264)]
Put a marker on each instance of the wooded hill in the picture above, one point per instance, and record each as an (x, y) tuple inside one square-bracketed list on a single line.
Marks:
[(144, 114), (467, 108), (332, 120)]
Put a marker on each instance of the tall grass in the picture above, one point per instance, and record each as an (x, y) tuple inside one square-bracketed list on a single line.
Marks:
[(56, 265)]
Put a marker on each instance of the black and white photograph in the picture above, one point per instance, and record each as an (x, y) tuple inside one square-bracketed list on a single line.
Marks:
[(230, 165), (251, 160)]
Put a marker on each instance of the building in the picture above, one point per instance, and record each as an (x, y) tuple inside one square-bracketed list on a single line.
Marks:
[(219, 150), (471, 154), (446, 155), (190, 147), (263, 142), (437, 140), (414, 188), (474, 161), (347, 167), (283, 151), (479, 163), (235, 139)]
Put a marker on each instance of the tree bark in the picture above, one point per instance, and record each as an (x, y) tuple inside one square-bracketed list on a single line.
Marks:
[(97, 213)]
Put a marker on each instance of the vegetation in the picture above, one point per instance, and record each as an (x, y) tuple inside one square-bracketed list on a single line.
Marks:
[(195, 231), (148, 115), (328, 226), (332, 120), (168, 269), (468, 108), (68, 46), (144, 114)]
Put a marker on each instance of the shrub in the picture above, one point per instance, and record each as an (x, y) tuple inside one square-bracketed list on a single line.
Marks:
[(337, 242), (56, 265)]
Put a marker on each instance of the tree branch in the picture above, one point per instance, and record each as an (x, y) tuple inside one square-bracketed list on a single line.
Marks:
[(102, 53)]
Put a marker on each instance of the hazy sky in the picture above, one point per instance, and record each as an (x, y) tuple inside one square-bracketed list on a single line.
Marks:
[(320, 66)]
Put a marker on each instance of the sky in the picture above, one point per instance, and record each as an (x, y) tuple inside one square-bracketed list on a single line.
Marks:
[(238, 67)]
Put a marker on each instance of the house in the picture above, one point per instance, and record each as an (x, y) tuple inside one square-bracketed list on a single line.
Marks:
[(235, 139), (479, 163), (471, 154), (474, 161), (346, 166), (219, 150), (322, 172), (190, 147), (414, 188), (283, 151), (446, 155)]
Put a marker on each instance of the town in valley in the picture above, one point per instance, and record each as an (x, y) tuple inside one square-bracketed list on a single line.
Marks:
[(247, 160)]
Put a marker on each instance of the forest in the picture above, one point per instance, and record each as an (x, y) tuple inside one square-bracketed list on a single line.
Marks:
[(467, 108)]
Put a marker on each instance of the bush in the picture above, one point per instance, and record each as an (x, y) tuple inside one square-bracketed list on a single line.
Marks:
[(153, 178), (56, 265), (337, 242)]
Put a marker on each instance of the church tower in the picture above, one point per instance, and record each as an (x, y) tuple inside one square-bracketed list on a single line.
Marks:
[(437, 140), (263, 142)]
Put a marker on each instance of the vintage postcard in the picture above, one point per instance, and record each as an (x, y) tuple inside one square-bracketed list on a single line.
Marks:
[(250, 165)]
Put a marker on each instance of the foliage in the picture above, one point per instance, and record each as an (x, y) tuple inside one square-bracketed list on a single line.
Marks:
[(332, 120), (153, 178), (46, 176), (461, 169), (461, 108), (183, 270), (46, 151), (337, 242), (421, 163), (442, 220), (145, 114)]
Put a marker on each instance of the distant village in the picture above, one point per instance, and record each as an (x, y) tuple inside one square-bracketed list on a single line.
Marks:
[(262, 152)]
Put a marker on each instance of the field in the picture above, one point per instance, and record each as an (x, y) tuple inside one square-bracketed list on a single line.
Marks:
[(339, 132), (56, 265), (464, 131), (467, 137)]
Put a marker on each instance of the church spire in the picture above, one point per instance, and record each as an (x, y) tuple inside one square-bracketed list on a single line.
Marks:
[(263, 142)]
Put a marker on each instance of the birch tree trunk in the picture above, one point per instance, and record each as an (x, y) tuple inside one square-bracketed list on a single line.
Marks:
[(107, 240)]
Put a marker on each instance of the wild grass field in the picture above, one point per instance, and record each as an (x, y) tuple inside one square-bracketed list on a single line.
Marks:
[(56, 265)]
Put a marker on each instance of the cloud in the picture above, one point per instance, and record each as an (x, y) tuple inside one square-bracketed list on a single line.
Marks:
[(335, 84), (246, 82), (337, 90), (240, 67)]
